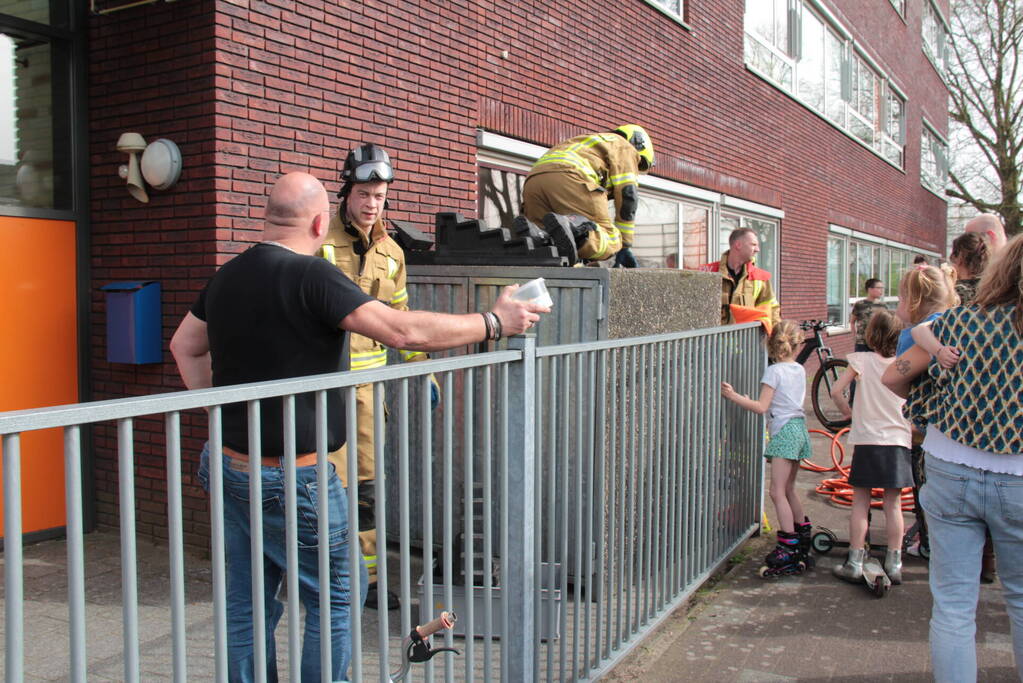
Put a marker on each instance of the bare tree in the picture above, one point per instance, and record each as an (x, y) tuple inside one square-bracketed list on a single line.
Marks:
[(986, 107)]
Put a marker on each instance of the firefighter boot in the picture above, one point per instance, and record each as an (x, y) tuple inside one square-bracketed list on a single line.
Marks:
[(559, 228), (523, 227)]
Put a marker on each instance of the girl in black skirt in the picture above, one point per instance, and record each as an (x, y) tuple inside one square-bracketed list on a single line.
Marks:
[(881, 439)]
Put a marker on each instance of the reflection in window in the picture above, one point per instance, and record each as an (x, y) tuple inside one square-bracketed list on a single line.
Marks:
[(767, 233), (934, 36), (851, 262), (656, 234), (767, 39), (500, 195), (811, 63), (836, 266), (694, 231), (933, 162), (30, 175), (673, 6)]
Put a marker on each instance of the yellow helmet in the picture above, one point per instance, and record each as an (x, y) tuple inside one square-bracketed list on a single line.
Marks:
[(641, 141)]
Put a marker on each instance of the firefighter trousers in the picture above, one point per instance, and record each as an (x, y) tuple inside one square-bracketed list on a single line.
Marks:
[(567, 193), (366, 475)]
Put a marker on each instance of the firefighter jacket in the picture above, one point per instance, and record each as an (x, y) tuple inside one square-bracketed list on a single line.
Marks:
[(376, 264), (753, 290), (600, 161)]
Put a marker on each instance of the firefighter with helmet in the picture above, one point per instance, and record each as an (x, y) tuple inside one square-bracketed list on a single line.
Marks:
[(358, 243), (577, 177)]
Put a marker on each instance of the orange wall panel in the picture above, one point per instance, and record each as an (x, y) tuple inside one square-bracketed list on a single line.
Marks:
[(39, 351)]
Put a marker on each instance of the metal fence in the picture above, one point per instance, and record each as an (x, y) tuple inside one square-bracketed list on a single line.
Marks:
[(600, 484)]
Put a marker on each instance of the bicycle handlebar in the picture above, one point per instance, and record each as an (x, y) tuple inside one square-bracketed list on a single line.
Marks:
[(817, 325), (445, 620)]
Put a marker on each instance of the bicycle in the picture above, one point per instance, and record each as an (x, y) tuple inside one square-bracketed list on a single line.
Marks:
[(416, 645), (828, 371)]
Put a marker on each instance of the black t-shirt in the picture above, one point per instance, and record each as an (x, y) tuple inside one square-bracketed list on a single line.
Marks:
[(274, 314)]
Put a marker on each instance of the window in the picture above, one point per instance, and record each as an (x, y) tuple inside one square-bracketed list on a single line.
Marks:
[(791, 45), (767, 39), (893, 133), (767, 233), (935, 37), (35, 123), (853, 258), (500, 192), (863, 102), (933, 161), (662, 221), (670, 7), (811, 73)]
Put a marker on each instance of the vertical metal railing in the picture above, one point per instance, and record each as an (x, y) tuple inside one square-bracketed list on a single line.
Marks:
[(565, 499)]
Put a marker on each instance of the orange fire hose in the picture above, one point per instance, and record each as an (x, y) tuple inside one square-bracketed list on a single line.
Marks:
[(838, 488)]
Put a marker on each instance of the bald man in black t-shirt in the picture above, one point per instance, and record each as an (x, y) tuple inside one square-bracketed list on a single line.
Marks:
[(275, 312)]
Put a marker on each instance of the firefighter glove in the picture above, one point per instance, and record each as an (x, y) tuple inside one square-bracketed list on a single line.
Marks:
[(625, 259)]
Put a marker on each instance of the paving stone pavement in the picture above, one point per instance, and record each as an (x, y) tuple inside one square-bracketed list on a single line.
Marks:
[(812, 627)]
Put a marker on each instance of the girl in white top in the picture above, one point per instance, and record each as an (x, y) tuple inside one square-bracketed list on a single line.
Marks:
[(782, 391), (881, 440)]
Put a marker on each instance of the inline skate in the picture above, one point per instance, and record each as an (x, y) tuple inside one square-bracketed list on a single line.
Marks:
[(785, 559), (804, 530)]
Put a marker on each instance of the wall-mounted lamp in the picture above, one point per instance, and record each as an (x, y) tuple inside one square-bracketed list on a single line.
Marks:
[(160, 165)]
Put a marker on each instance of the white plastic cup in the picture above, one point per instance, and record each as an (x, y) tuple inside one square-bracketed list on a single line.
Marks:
[(534, 291)]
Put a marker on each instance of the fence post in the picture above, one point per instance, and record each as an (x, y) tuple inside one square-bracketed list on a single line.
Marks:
[(518, 574)]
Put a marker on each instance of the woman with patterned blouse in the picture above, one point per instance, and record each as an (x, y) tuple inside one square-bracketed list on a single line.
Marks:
[(974, 462)]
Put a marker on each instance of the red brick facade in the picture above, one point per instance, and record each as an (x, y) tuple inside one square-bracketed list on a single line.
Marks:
[(253, 90)]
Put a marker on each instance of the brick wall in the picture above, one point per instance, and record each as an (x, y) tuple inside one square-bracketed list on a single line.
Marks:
[(151, 71), (254, 90)]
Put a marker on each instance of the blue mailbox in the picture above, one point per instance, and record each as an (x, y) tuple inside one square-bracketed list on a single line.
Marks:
[(133, 322)]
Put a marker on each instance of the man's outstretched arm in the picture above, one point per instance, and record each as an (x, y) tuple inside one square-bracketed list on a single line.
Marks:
[(427, 331)]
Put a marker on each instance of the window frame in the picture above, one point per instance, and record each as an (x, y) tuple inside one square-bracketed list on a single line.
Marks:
[(886, 250), (677, 16)]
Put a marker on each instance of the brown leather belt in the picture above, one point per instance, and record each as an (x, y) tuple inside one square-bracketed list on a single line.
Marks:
[(301, 459)]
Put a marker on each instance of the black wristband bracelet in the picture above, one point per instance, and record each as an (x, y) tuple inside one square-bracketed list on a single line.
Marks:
[(498, 326), (488, 332)]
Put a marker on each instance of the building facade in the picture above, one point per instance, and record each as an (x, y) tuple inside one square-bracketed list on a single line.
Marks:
[(820, 124)]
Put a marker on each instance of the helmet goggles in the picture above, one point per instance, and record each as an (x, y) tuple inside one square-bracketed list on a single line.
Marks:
[(371, 171)]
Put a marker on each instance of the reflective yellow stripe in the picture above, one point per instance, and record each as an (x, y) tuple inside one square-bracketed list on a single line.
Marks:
[(758, 287), (623, 179), (572, 159), (369, 560), (369, 359), (604, 246), (400, 297), (626, 228), (409, 355)]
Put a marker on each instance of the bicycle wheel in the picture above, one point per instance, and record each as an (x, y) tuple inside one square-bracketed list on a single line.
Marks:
[(823, 405)]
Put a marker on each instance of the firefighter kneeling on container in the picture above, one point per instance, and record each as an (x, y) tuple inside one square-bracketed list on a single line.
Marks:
[(278, 311), (575, 179), (358, 243)]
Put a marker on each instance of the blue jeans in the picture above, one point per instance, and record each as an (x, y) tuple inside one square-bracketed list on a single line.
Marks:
[(960, 503), (239, 567)]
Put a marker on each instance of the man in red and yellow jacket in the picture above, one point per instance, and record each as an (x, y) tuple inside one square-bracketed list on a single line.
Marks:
[(578, 177), (745, 289), (358, 244)]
